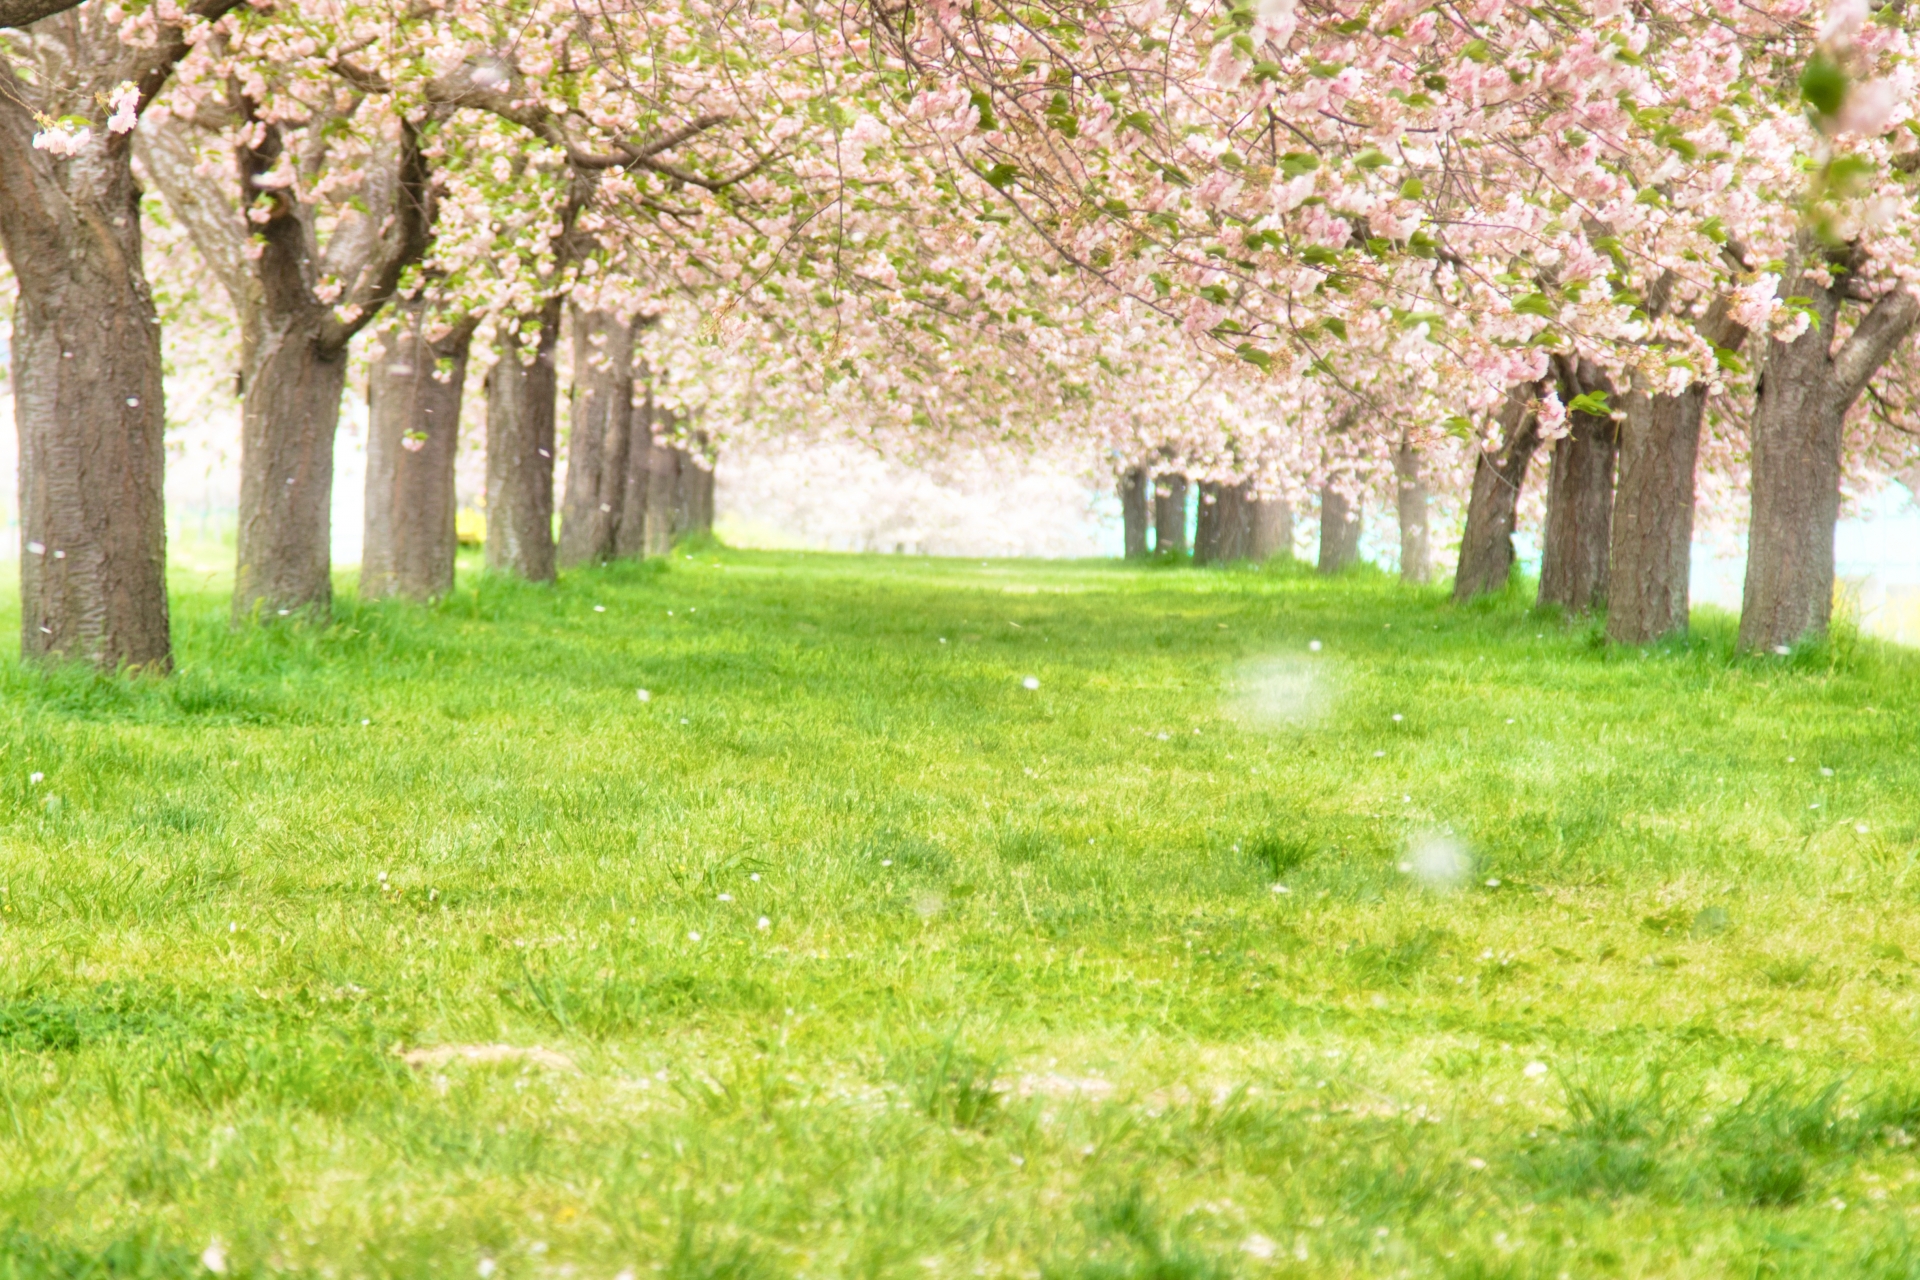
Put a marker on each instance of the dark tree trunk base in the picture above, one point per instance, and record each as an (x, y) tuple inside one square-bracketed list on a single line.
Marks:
[(1486, 549), (1579, 533), (90, 410), (414, 392), (600, 436), (521, 407), (288, 420), (1170, 515), (1133, 512)]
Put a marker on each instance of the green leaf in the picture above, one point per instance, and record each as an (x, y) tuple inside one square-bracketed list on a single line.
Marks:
[(1729, 360), (1413, 189), (1536, 304), (983, 103), (1850, 173), (1295, 163), (1370, 159), (1591, 402), (1458, 427), (1823, 84), (1255, 356)]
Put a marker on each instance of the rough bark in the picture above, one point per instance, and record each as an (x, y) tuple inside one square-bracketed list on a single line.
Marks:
[(1651, 553), (1650, 560), (630, 539), (414, 390), (663, 496), (264, 240), (1339, 530), (1170, 515), (290, 408), (1410, 505), (600, 433), (522, 389), (23, 13), (1579, 533), (88, 399), (1269, 528), (1133, 512), (89, 408), (1486, 549), (1807, 387)]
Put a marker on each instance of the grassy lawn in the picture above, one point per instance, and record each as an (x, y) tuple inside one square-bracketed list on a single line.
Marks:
[(1457, 946)]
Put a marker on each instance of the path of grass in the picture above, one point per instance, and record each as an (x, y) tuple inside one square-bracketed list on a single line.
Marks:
[(848, 955)]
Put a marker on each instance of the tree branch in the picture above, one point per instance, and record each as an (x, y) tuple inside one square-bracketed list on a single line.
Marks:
[(20, 13), (403, 241), (1873, 342)]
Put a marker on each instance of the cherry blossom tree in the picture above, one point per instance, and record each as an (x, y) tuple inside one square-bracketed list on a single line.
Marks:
[(89, 400)]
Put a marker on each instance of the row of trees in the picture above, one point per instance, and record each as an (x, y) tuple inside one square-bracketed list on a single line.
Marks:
[(1282, 251)]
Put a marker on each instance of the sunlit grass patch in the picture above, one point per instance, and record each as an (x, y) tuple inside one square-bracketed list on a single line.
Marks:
[(1462, 945)]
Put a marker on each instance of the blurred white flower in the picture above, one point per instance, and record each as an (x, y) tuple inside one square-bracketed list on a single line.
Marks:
[(1438, 861)]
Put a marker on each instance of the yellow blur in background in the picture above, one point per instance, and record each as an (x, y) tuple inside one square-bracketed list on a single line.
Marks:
[(470, 527)]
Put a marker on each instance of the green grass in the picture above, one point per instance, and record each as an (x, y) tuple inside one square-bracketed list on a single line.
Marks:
[(1026, 1001)]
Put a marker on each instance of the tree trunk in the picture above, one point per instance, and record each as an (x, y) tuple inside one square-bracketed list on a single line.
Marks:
[(1410, 504), (1651, 555), (1579, 534), (1170, 515), (696, 478), (1339, 530), (1806, 389), (1206, 524), (1235, 521), (600, 429), (1650, 560), (296, 368), (521, 407), (414, 390), (1269, 528), (683, 492), (288, 419), (88, 400), (1486, 550), (1133, 512), (630, 539), (663, 498), (89, 407)]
